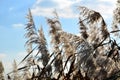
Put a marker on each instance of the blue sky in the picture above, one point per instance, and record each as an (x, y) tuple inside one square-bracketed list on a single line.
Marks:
[(12, 21)]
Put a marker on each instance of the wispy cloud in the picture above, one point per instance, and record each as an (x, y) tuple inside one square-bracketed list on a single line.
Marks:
[(41, 11), (18, 25), (63, 7), (105, 10), (62, 4), (104, 7), (109, 1), (38, 2)]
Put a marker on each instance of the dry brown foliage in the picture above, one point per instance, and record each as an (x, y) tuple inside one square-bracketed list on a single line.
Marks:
[(93, 55)]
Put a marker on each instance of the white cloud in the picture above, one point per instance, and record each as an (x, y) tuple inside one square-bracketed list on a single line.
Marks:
[(18, 25), (37, 2), (105, 10), (2, 56), (62, 4), (104, 7), (63, 7), (109, 1), (41, 11)]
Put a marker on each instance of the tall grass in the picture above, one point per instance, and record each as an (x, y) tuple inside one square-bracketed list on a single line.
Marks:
[(94, 55)]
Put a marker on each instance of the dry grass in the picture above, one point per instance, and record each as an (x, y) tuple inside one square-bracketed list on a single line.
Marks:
[(92, 56)]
